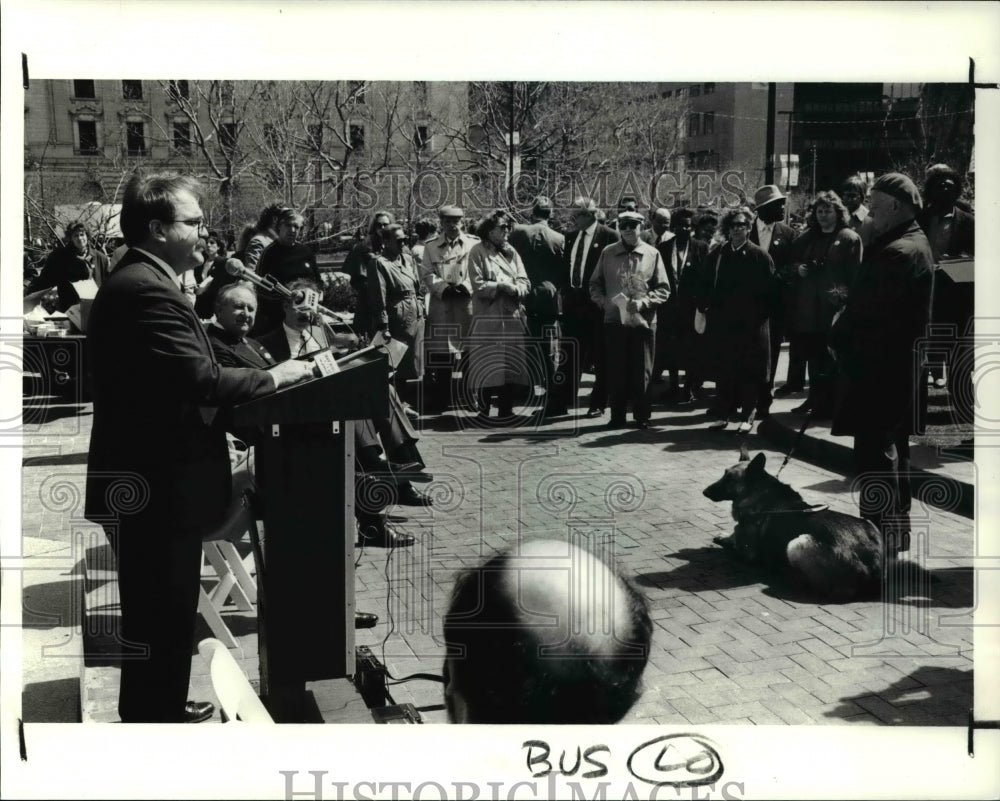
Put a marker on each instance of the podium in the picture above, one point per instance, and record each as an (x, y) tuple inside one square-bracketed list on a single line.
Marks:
[(305, 478)]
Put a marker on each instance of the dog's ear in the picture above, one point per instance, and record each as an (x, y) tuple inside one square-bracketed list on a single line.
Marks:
[(744, 453), (758, 462)]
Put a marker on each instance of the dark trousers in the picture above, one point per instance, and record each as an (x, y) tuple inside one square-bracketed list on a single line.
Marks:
[(813, 348), (738, 396), (544, 337), (882, 461), (159, 575), (583, 345), (629, 369)]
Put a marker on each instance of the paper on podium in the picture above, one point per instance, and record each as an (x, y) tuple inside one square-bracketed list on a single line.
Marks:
[(393, 347), (85, 289), (326, 362)]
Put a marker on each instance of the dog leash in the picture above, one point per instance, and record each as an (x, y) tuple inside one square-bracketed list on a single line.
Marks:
[(795, 444)]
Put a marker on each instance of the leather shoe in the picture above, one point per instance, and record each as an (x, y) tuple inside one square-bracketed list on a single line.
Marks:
[(198, 711), (385, 536), (365, 620), (786, 390), (595, 412), (643, 424), (803, 408), (411, 497), (411, 471)]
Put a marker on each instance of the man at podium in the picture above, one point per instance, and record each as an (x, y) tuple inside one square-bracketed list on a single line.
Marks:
[(158, 474)]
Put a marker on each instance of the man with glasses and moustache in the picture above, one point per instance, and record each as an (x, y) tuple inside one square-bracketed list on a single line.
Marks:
[(158, 472)]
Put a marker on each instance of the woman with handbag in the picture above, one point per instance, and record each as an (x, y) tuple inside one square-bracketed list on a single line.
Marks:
[(498, 359)]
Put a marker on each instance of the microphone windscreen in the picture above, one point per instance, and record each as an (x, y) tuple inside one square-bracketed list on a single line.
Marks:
[(235, 267)]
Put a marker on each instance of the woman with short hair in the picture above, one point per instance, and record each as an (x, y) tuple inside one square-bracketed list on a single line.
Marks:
[(740, 296), (498, 360)]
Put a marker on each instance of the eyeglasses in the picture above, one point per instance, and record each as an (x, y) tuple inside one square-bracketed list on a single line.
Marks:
[(197, 222), (628, 224)]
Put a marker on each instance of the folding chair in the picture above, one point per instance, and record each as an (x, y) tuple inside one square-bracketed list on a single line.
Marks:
[(237, 700)]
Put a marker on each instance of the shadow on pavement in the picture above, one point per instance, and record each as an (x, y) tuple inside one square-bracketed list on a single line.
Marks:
[(56, 701), (55, 460), (41, 413), (707, 568), (924, 697), (51, 605)]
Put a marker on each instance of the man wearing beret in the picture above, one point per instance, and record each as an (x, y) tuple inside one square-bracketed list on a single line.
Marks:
[(444, 271), (875, 339), (628, 284)]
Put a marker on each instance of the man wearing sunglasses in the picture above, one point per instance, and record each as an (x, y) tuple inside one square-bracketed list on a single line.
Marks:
[(628, 283), (158, 472)]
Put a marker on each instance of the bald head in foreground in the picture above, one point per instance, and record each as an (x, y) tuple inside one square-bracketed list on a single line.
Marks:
[(548, 633)]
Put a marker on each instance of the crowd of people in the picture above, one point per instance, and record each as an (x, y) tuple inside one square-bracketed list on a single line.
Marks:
[(496, 318)]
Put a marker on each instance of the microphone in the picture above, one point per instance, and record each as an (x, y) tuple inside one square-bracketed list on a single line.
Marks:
[(236, 269)]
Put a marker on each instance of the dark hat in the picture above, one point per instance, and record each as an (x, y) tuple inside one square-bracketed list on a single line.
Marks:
[(450, 211), (897, 185), (767, 194)]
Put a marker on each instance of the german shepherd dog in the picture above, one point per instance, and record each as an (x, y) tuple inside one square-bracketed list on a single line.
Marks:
[(832, 555)]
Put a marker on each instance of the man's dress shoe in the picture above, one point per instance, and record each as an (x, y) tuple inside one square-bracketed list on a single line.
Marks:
[(384, 536), (595, 413), (198, 711), (410, 471), (365, 620), (412, 497)]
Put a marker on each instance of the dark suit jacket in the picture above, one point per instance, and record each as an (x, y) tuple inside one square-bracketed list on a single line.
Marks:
[(603, 236), (781, 253), (232, 352), (153, 372)]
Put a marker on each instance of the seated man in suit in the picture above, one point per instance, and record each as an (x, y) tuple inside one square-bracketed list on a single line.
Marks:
[(526, 645), (303, 331)]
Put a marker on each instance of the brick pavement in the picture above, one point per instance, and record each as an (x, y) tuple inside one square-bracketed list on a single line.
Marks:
[(728, 647)]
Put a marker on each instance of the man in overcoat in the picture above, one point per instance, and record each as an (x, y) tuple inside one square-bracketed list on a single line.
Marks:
[(876, 342)]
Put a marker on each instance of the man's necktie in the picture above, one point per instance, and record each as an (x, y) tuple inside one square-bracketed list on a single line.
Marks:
[(578, 262)]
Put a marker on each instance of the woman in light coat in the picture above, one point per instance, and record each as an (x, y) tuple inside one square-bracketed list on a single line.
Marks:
[(498, 360)]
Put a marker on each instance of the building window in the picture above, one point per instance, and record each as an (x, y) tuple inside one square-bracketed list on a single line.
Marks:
[(178, 90), (357, 137), (135, 138), (87, 133), (695, 90), (421, 138), (668, 93), (182, 138), (84, 89), (420, 92), (709, 88), (708, 122), (680, 94), (693, 129), (132, 90), (227, 135), (226, 91), (357, 90)]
